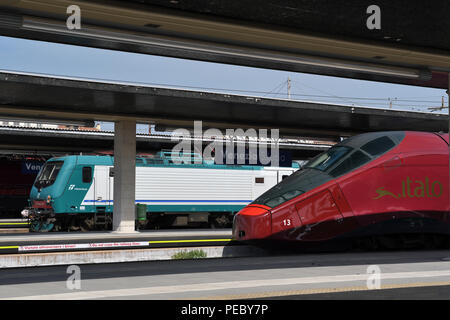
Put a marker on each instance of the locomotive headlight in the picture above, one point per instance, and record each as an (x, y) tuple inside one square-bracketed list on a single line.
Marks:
[(25, 213), (49, 199), (252, 222)]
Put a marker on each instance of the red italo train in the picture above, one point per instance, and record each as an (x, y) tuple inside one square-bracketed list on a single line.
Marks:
[(382, 189)]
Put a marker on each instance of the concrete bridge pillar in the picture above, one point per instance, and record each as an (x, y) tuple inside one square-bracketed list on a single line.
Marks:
[(124, 176)]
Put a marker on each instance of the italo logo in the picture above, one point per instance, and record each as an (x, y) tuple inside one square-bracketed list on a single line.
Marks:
[(413, 189)]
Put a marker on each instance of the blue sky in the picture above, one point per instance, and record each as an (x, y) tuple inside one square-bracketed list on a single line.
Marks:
[(67, 60)]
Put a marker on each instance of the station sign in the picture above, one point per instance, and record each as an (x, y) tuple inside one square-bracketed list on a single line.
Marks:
[(31, 167)]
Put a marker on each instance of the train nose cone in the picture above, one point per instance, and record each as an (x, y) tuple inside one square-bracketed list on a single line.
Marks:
[(252, 222)]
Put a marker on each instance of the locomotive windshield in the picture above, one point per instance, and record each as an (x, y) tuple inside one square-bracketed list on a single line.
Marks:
[(345, 157), (325, 160), (48, 174), (297, 183)]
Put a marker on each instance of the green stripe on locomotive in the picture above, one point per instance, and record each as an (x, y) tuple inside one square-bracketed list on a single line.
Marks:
[(168, 208)]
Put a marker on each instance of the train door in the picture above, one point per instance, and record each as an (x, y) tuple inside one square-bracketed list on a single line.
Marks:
[(101, 185), (320, 217), (111, 184)]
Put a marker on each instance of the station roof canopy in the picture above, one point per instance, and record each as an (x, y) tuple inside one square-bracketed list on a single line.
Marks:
[(412, 45), (47, 97), (43, 141)]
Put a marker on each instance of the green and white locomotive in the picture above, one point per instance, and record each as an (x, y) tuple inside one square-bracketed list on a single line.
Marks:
[(76, 192)]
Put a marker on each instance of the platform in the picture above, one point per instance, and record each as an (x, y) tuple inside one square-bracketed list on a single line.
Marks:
[(13, 223), (76, 241)]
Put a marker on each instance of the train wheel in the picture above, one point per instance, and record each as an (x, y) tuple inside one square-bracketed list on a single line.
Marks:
[(389, 242), (35, 226), (432, 241), (366, 244), (87, 224), (73, 223), (141, 225), (219, 221), (58, 225)]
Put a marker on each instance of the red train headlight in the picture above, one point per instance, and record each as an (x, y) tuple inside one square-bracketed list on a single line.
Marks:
[(252, 222)]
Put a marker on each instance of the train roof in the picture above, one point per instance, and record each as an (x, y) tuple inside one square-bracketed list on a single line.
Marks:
[(444, 136), (362, 139), (85, 159), (153, 162)]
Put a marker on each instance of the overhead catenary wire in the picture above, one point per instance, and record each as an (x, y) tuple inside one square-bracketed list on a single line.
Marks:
[(277, 87), (366, 101), (325, 97), (327, 93), (378, 102), (296, 94)]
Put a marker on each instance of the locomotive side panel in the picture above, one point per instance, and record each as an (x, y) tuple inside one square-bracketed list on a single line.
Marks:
[(284, 220), (99, 196), (407, 191), (170, 184), (402, 182), (186, 189), (320, 217)]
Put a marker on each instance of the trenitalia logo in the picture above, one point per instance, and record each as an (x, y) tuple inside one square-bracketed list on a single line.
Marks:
[(413, 189)]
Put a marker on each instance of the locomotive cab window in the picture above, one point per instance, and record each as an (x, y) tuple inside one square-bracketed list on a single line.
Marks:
[(355, 160), (325, 160), (378, 146), (48, 174), (87, 174), (288, 195)]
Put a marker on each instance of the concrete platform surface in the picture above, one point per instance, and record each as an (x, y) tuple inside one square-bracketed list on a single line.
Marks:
[(241, 278), (17, 244), (85, 236)]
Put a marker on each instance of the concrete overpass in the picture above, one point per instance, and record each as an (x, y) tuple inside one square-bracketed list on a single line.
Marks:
[(323, 37), (47, 97), (411, 46), (45, 141)]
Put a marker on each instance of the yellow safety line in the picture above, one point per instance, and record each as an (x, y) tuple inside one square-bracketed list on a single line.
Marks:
[(10, 247), (154, 242), (11, 223), (319, 291), (194, 240)]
